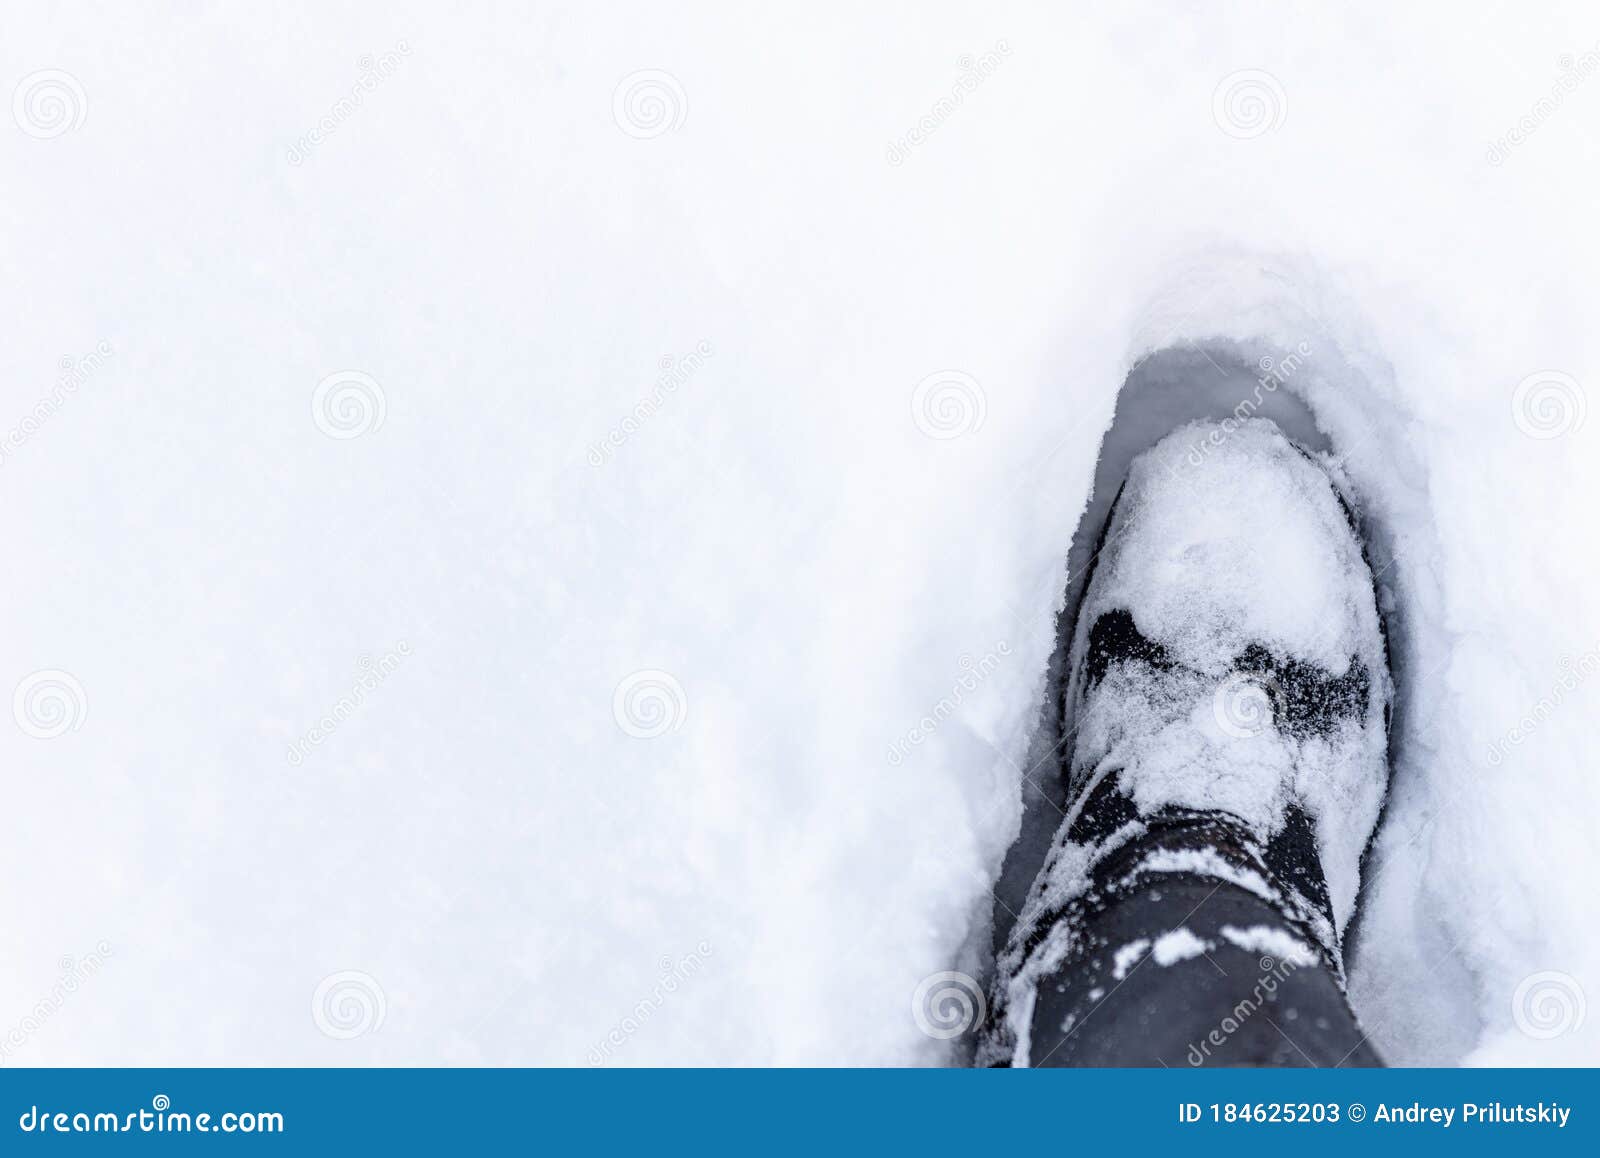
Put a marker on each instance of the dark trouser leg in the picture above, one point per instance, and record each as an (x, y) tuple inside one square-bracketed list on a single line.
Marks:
[(1178, 959)]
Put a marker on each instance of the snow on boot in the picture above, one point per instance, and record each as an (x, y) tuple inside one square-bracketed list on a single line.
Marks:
[(1228, 693)]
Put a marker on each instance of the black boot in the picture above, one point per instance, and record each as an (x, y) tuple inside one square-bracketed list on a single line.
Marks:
[(1228, 690)]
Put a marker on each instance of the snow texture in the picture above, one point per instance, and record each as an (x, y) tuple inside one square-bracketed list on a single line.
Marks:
[(719, 439), (1274, 942), (1178, 945), (1127, 956)]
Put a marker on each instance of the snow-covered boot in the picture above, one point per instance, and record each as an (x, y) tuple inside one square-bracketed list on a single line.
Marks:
[(1228, 692)]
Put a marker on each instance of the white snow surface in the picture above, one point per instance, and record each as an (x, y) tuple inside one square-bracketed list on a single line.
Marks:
[(616, 720), (1127, 956), (1208, 863), (1177, 945), (1273, 941)]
